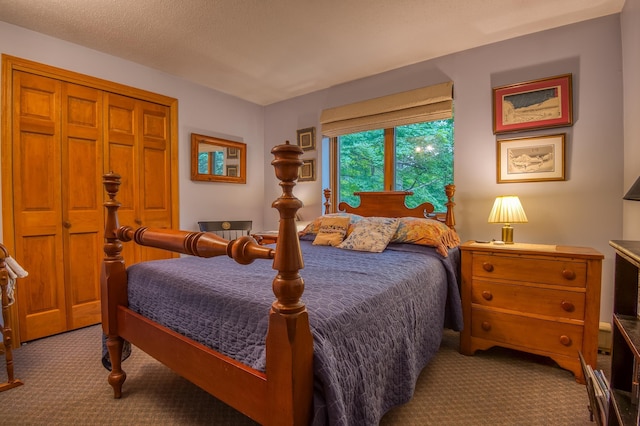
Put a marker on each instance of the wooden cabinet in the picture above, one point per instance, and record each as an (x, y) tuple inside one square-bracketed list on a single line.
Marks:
[(65, 131), (541, 299), (625, 353)]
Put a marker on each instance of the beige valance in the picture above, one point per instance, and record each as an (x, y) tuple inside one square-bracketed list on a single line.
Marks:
[(415, 106)]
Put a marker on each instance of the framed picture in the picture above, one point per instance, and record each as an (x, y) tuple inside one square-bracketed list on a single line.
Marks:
[(232, 152), (307, 139), (537, 104), (307, 171), (533, 159), (232, 171)]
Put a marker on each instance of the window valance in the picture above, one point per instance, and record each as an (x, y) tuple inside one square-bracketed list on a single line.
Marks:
[(414, 106)]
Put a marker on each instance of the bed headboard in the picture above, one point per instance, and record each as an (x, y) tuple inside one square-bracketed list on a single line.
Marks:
[(392, 204)]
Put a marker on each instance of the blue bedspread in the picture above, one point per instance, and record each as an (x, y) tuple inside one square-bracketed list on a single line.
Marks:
[(376, 318)]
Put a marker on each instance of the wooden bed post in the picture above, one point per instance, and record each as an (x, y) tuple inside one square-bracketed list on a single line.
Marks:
[(113, 284), (450, 220), (289, 367), (7, 332)]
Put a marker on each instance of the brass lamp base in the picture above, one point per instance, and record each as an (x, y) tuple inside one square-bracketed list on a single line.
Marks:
[(507, 234)]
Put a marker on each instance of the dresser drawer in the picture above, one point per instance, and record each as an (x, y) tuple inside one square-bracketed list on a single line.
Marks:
[(529, 299), (557, 271), (526, 332)]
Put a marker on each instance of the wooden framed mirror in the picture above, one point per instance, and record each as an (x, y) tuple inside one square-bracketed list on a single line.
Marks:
[(218, 160)]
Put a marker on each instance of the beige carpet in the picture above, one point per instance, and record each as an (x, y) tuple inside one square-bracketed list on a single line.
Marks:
[(65, 384)]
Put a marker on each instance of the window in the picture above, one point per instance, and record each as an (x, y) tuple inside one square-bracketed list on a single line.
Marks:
[(400, 142), (416, 157)]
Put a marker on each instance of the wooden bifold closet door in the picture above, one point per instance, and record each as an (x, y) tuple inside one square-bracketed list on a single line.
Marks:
[(64, 137)]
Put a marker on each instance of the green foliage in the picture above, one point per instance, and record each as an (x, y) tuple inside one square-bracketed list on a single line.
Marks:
[(361, 164), (423, 162)]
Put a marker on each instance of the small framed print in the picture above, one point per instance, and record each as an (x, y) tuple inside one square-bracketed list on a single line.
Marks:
[(537, 104), (232, 152), (307, 139), (307, 171), (535, 159), (232, 171)]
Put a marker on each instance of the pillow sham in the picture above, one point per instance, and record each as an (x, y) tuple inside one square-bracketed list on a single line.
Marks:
[(426, 232), (371, 234), (314, 226), (332, 231)]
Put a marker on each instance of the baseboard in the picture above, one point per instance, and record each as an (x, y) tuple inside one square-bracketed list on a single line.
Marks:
[(604, 338)]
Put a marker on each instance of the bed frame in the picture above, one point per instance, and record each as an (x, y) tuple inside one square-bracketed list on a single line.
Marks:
[(283, 394)]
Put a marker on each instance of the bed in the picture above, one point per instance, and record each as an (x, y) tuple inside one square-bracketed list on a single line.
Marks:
[(340, 344)]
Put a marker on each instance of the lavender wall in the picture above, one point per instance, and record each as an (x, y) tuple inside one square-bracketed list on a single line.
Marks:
[(584, 210), (201, 111)]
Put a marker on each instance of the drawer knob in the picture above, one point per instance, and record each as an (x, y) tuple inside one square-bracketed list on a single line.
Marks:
[(486, 295), (567, 306), (487, 267), (565, 340), (569, 274), (486, 326)]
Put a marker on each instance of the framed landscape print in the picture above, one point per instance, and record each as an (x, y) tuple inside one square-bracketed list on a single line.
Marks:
[(533, 159), (536, 104)]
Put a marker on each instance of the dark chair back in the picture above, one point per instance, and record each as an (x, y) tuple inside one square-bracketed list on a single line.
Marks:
[(227, 229)]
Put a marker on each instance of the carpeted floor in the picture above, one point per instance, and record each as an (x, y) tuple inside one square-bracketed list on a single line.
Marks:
[(65, 384)]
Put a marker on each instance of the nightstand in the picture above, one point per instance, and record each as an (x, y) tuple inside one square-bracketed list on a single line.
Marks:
[(266, 237), (536, 298)]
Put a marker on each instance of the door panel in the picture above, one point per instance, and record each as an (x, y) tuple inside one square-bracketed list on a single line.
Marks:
[(155, 185), (83, 217), (37, 204)]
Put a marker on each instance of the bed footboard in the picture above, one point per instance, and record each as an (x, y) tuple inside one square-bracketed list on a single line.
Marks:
[(281, 395)]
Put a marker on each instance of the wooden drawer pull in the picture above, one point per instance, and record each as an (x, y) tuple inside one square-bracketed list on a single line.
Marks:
[(567, 306), (569, 274), (486, 295), (487, 267), (565, 340), (486, 326)]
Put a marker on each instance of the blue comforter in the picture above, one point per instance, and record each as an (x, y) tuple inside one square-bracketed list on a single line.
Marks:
[(376, 318)]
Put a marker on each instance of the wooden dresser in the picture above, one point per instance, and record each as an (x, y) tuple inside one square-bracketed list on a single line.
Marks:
[(536, 298)]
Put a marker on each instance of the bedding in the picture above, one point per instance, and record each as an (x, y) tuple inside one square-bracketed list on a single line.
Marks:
[(370, 342)]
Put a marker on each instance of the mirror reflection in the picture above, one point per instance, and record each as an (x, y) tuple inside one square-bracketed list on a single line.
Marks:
[(217, 160)]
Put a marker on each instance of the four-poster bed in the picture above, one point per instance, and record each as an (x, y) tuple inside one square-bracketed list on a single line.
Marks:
[(312, 358)]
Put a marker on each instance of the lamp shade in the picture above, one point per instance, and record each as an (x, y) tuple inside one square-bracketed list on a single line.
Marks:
[(633, 193), (507, 209)]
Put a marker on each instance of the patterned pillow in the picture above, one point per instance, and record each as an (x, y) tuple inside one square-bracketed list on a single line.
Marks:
[(332, 231), (426, 232), (371, 234), (314, 226)]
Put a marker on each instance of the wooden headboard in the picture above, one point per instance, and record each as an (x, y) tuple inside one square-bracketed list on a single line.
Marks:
[(392, 204)]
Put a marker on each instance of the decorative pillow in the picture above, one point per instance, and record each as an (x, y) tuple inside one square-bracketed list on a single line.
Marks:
[(332, 231), (426, 232), (314, 226), (371, 234)]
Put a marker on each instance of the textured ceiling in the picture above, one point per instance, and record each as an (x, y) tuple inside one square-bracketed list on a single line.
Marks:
[(267, 51)]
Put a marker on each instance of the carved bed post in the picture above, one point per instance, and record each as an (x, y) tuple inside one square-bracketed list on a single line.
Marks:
[(290, 366), (6, 331), (112, 284), (450, 220), (327, 201)]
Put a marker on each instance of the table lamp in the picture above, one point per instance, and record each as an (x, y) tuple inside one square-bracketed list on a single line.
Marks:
[(507, 210), (633, 193)]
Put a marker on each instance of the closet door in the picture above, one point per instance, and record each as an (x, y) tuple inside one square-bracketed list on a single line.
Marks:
[(82, 202), (57, 169), (37, 204), (138, 134)]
